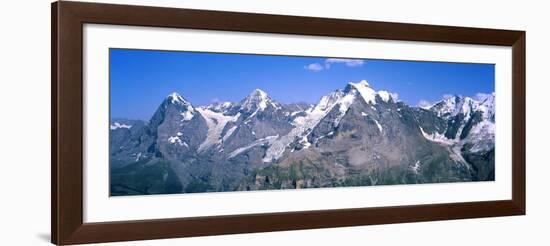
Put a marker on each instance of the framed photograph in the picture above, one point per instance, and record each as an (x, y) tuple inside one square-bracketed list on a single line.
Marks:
[(174, 122)]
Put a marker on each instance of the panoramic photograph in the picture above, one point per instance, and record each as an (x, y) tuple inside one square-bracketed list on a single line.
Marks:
[(195, 122)]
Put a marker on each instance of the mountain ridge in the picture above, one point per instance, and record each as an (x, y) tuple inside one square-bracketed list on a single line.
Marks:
[(352, 136)]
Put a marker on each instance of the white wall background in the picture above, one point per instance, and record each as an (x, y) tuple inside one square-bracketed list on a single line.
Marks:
[(25, 121)]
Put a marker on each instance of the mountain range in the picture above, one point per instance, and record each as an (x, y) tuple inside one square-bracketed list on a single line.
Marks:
[(355, 136)]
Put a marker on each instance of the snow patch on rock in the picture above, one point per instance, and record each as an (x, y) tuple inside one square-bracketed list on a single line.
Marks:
[(437, 137), (216, 123), (118, 125), (378, 125), (265, 140), (177, 140), (384, 95)]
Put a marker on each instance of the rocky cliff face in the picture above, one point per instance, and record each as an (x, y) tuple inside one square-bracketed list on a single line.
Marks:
[(353, 136)]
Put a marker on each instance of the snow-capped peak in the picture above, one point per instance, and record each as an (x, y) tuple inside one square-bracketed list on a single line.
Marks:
[(176, 98), (186, 109), (258, 93), (451, 106), (487, 106), (257, 100), (219, 106), (481, 133), (364, 89), (468, 105), (362, 83)]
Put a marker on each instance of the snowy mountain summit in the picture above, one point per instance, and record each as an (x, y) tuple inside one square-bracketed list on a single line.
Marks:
[(257, 100), (470, 122)]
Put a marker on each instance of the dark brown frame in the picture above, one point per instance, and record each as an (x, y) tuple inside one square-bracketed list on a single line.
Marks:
[(67, 133)]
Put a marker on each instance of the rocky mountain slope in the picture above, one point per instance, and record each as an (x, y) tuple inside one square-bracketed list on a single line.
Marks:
[(353, 136)]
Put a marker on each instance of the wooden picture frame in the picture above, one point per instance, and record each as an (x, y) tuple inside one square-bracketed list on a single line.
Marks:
[(67, 122)]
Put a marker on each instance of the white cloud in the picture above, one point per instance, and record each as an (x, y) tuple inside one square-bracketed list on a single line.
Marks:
[(347, 62), (315, 67), (424, 104)]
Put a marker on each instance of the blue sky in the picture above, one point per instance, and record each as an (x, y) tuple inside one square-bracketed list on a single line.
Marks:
[(141, 79)]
